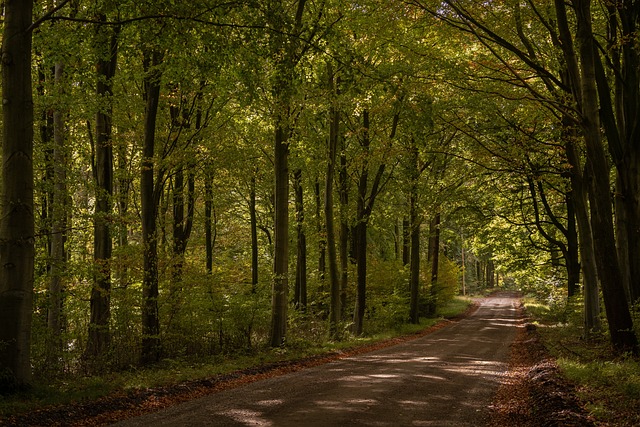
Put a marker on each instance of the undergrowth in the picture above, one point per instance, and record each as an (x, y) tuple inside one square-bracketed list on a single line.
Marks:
[(607, 383), (179, 370)]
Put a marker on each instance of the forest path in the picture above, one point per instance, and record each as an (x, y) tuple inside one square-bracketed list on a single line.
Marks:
[(446, 378)]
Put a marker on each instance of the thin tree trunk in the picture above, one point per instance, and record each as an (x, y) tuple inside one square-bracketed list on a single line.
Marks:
[(335, 312), (254, 234), (300, 293), (322, 240), (435, 260), (58, 222), (414, 231), (17, 220), (149, 195), (343, 190)]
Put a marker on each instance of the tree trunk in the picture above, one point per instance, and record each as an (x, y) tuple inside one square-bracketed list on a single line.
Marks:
[(280, 288), (591, 292), (300, 293), (182, 225), (254, 234), (17, 220), (406, 240), (414, 231), (414, 279), (99, 336), (434, 244), (149, 196), (58, 223), (335, 312), (620, 323), (322, 240), (343, 190), (572, 254), (287, 49)]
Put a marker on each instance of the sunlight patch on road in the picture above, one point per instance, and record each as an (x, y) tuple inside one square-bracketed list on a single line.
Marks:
[(247, 417), (271, 402)]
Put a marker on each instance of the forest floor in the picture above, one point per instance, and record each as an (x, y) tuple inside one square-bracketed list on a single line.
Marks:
[(531, 393)]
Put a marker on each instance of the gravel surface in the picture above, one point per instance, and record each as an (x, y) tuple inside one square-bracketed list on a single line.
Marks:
[(446, 378)]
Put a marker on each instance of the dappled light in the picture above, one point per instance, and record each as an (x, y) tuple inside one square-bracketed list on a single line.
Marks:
[(446, 377)]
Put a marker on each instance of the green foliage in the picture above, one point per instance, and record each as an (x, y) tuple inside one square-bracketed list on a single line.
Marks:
[(448, 284)]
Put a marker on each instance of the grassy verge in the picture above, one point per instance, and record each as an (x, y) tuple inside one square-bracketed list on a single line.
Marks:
[(169, 372), (607, 383)]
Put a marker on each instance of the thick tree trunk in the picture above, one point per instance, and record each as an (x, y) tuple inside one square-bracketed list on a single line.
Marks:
[(99, 336), (149, 196), (620, 323), (280, 289), (17, 220)]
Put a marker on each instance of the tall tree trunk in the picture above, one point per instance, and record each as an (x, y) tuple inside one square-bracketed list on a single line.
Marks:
[(620, 323), (123, 181), (58, 222), (322, 239), (406, 240), (364, 207), (288, 50), (99, 336), (280, 288), (254, 234), (591, 292), (17, 220), (300, 293), (414, 228), (343, 190), (182, 225), (335, 312), (360, 234), (414, 267), (150, 196), (434, 251), (572, 260)]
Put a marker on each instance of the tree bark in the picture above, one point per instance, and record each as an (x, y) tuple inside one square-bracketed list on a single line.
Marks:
[(254, 234), (287, 49), (17, 220), (434, 251), (100, 307), (58, 202), (150, 196), (620, 323), (335, 311), (300, 293), (322, 239), (414, 231)]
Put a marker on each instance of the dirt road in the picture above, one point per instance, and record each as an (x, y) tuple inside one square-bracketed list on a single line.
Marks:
[(447, 378)]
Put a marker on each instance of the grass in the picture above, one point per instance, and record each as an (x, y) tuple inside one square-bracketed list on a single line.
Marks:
[(170, 371), (608, 383)]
